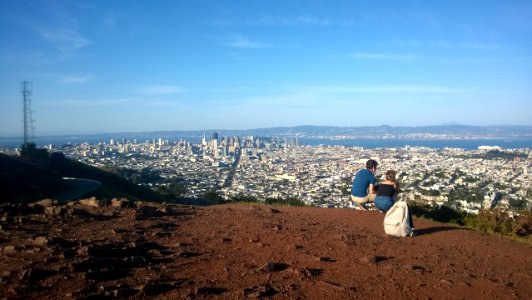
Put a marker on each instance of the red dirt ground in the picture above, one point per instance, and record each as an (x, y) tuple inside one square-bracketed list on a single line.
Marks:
[(248, 252)]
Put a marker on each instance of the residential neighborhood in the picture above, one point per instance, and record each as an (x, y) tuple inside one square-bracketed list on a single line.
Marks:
[(263, 168)]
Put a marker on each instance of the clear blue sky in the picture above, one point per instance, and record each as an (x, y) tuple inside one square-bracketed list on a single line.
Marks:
[(115, 66)]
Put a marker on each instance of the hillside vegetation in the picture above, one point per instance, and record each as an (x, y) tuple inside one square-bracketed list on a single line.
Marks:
[(515, 226)]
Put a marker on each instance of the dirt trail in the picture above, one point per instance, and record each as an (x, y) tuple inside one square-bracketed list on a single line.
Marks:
[(242, 251)]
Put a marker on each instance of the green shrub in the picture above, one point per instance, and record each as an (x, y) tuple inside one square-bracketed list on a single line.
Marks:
[(514, 226), (438, 213), (243, 198), (499, 222), (213, 195)]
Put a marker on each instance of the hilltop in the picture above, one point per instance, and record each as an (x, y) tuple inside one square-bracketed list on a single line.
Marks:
[(99, 249)]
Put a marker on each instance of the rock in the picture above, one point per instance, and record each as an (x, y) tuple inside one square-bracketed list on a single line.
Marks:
[(170, 210), (5, 274), (146, 212), (369, 260), (121, 203), (326, 259), (373, 259), (36, 208), (40, 241), (94, 202), (258, 292), (53, 211), (82, 251), (448, 282), (46, 202), (274, 267), (9, 248)]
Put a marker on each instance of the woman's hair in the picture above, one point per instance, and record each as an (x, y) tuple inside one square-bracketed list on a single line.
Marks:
[(390, 175)]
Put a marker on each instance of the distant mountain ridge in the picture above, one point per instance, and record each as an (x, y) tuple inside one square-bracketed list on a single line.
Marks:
[(499, 131), (378, 131)]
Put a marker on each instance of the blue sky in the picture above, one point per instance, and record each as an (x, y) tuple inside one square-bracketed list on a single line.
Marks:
[(125, 66)]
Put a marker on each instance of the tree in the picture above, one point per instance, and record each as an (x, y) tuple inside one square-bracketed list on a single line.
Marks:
[(174, 191), (213, 194), (178, 190)]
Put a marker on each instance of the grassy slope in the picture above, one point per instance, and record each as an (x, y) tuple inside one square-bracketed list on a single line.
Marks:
[(22, 181)]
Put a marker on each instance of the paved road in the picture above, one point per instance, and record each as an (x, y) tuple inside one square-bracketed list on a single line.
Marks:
[(80, 186), (232, 169)]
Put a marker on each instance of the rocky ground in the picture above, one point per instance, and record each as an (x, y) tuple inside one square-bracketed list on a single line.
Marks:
[(95, 249)]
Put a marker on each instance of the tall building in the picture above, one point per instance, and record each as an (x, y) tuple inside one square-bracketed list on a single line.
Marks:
[(215, 136)]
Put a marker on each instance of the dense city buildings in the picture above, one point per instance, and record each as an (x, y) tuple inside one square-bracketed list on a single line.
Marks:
[(273, 167)]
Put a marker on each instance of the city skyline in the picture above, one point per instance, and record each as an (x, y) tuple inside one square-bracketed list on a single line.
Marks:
[(171, 65)]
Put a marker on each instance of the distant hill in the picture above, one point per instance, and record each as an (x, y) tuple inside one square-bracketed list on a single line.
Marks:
[(31, 180), (23, 181)]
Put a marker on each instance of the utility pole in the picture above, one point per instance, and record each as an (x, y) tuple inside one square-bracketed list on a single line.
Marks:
[(26, 89)]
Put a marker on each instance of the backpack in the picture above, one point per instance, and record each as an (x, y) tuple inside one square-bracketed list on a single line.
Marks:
[(397, 221)]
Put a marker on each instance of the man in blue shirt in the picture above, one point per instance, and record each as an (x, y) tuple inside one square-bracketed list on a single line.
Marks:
[(363, 189)]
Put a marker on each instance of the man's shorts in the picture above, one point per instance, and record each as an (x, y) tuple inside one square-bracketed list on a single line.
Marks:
[(368, 198)]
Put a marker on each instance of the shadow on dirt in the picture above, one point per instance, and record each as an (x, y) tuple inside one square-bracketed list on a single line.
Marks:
[(436, 229)]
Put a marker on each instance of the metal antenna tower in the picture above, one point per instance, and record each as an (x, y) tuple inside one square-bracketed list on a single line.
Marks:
[(29, 129)]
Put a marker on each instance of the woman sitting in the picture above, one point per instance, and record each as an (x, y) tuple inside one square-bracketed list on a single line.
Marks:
[(387, 192)]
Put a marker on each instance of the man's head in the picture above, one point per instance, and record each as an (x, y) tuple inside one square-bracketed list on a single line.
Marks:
[(371, 165)]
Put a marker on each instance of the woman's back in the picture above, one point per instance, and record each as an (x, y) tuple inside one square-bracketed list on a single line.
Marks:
[(386, 189)]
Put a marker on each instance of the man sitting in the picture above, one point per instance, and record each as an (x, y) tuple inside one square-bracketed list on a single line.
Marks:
[(364, 185)]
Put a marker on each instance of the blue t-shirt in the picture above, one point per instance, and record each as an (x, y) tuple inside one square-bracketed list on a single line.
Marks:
[(361, 183)]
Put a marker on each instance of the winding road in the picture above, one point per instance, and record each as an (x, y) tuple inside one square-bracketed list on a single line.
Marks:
[(79, 186)]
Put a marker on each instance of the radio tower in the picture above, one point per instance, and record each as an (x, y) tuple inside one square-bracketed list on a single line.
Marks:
[(28, 119)]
